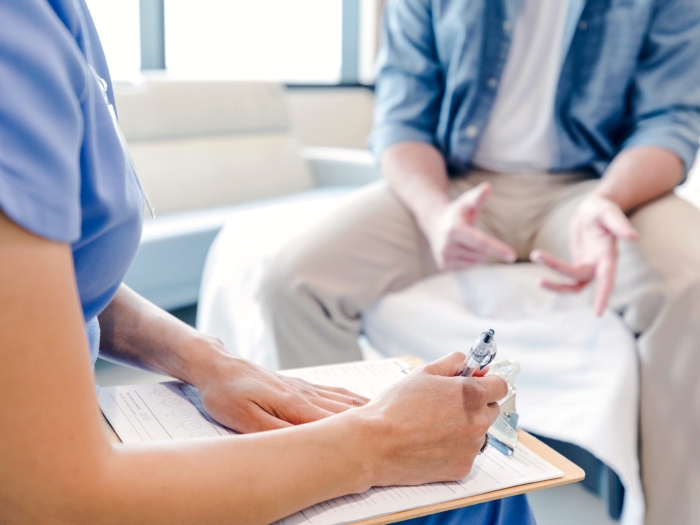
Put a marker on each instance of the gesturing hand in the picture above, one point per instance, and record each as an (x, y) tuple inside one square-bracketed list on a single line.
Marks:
[(455, 242), (594, 232), (249, 398)]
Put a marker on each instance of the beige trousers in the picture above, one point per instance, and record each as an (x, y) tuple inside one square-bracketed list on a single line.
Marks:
[(315, 291)]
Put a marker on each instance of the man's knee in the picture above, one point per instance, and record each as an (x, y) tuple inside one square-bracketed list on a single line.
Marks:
[(281, 280)]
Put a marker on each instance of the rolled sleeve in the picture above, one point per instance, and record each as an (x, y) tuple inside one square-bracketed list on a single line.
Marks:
[(410, 83), (41, 123), (666, 90)]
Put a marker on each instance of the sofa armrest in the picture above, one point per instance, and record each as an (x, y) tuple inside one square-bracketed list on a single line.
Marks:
[(168, 266), (341, 166)]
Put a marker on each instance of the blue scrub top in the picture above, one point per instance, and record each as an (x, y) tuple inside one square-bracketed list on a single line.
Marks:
[(63, 173)]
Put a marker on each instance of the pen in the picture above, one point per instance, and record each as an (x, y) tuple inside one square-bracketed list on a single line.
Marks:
[(480, 354)]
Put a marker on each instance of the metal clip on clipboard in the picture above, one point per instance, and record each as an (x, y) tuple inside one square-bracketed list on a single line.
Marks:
[(502, 433)]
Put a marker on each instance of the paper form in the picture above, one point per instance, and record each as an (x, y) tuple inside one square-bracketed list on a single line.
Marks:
[(173, 412), (491, 471)]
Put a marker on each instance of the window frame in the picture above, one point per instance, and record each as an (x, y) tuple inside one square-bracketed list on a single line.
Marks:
[(152, 29)]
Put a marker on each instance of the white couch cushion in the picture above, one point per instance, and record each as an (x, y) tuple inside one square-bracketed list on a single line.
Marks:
[(206, 172), (200, 145)]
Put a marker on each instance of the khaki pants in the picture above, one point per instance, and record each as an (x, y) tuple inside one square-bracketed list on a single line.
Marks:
[(315, 291)]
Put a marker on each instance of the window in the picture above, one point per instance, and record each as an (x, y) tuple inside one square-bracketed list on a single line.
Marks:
[(298, 41), (117, 23)]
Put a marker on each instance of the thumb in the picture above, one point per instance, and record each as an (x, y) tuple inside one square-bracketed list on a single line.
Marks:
[(471, 202), (447, 366), (617, 223)]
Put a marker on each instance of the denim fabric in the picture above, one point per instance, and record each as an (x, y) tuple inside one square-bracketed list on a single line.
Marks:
[(630, 77), (509, 511)]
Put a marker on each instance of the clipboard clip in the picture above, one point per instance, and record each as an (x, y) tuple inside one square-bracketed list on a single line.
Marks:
[(502, 433)]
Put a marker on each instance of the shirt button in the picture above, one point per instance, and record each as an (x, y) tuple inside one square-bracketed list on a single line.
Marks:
[(471, 132), (493, 82), (507, 26), (583, 25)]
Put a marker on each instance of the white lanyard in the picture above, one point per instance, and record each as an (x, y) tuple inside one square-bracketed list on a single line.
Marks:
[(122, 140)]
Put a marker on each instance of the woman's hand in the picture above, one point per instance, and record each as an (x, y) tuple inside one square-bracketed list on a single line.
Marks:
[(237, 393), (249, 398), (431, 425)]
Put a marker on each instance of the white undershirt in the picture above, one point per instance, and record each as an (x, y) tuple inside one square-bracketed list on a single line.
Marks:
[(520, 134)]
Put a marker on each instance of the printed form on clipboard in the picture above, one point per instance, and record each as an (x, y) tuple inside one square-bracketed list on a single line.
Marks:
[(173, 412)]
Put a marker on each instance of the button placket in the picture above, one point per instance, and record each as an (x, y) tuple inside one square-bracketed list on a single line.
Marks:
[(471, 132)]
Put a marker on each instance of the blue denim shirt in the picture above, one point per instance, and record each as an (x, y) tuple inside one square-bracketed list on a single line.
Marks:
[(630, 77)]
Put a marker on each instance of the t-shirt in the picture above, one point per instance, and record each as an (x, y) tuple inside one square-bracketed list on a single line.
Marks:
[(520, 134), (63, 172)]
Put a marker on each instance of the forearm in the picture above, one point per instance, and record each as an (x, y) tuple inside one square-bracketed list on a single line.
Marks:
[(639, 175), (136, 332), (252, 479), (256, 478), (416, 172)]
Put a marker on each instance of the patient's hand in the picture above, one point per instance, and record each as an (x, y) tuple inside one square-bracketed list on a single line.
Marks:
[(594, 232), (431, 425), (455, 242), (249, 398)]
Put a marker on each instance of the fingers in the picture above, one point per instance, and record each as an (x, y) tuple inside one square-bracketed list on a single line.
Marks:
[(302, 411), (461, 252), (605, 280), (331, 405), (617, 223), (261, 421), (447, 366), (563, 287), (494, 388), (481, 372), (472, 202), (480, 242), (341, 395), (460, 258), (311, 403), (580, 273)]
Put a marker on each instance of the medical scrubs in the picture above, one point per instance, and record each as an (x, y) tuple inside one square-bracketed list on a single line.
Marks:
[(64, 175)]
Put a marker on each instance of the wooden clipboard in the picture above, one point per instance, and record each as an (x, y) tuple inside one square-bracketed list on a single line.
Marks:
[(572, 474)]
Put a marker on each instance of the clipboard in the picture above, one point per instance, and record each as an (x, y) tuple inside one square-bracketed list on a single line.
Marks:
[(572, 474)]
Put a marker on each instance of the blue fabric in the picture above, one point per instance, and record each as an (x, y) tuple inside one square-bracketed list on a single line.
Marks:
[(63, 172), (509, 511), (629, 78)]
